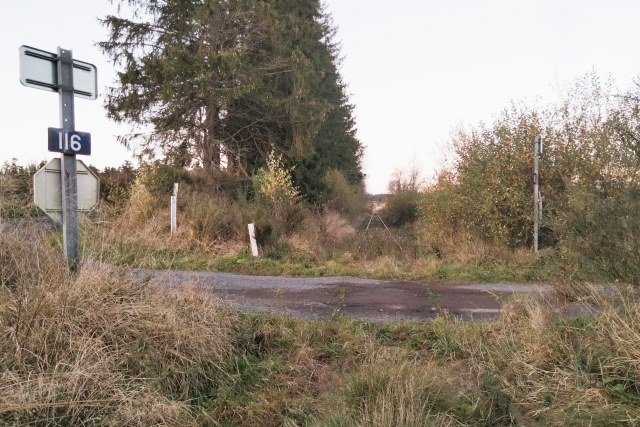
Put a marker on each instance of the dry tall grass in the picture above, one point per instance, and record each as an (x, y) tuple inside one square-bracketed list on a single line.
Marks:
[(411, 394), (577, 371), (96, 348)]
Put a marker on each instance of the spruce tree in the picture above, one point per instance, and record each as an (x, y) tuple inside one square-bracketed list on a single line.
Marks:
[(233, 79)]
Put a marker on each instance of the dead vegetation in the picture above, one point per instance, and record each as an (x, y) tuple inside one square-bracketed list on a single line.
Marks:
[(95, 348)]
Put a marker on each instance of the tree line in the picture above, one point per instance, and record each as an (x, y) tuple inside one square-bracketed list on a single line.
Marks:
[(221, 84)]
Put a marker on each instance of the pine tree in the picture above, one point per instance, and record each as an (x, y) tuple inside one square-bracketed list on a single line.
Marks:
[(184, 64), (332, 145), (233, 80)]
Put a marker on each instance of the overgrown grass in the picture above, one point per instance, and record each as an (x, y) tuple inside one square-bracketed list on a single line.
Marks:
[(96, 348), (132, 229), (16, 192), (375, 253)]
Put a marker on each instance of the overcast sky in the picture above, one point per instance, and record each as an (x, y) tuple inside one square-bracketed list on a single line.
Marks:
[(415, 69)]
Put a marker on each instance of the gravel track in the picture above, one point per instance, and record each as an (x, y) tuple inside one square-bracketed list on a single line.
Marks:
[(356, 298), (361, 299)]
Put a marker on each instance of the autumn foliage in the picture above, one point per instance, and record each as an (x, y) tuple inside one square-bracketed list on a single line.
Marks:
[(589, 174)]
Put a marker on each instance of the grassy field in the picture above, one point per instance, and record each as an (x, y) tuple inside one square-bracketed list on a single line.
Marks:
[(94, 348), (373, 253)]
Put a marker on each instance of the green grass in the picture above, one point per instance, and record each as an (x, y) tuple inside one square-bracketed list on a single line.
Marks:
[(348, 373), (315, 373)]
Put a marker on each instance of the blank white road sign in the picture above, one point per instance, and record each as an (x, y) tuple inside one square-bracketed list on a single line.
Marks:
[(47, 185), (39, 69)]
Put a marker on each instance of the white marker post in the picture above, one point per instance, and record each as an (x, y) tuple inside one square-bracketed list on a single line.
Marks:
[(252, 239), (174, 209)]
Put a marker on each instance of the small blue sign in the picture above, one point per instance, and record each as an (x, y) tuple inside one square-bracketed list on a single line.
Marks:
[(69, 142)]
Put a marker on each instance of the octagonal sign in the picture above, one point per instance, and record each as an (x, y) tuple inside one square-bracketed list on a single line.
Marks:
[(47, 184)]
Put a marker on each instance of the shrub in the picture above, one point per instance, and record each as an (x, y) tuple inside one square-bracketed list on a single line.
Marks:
[(116, 183), (16, 191), (153, 186), (274, 184), (281, 211), (142, 203), (215, 219), (159, 178), (343, 197), (219, 183), (600, 232), (401, 208), (275, 222)]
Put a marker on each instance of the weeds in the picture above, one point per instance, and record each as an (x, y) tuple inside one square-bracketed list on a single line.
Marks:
[(97, 347)]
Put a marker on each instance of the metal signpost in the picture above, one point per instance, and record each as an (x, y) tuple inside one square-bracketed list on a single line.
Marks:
[(537, 200), (61, 73)]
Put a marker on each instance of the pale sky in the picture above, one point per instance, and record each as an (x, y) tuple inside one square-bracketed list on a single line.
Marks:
[(415, 69)]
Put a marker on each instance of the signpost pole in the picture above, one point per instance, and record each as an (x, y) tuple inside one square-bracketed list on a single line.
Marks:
[(68, 161), (537, 205)]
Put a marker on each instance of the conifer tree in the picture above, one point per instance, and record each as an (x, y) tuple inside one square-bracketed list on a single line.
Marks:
[(233, 79)]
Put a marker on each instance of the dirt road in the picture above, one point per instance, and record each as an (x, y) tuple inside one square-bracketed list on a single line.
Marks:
[(363, 299)]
